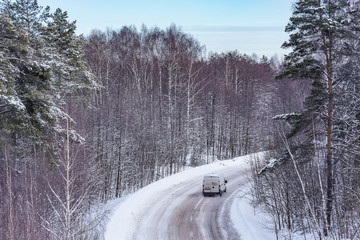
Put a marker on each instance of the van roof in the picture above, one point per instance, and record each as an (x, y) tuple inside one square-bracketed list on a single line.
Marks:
[(213, 175)]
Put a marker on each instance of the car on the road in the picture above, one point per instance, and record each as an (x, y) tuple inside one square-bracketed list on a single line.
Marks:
[(214, 184)]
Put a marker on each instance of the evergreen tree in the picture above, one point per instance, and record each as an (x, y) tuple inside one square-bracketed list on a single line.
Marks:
[(41, 71), (67, 55), (28, 18), (64, 54), (318, 30), (10, 104), (26, 79), (44, 57)]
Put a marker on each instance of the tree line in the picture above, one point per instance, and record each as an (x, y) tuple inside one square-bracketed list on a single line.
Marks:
[(164, 103)]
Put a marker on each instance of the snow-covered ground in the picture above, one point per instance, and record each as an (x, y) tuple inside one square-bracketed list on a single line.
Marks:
[(130, 210)]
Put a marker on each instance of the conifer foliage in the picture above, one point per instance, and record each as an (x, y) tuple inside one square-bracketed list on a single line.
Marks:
[(42, 63)]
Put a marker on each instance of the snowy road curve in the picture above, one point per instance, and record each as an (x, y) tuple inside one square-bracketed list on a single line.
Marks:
[(185, 214), (174, 208)]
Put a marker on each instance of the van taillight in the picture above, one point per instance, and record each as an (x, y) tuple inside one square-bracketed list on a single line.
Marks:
[(203, 188), (219, 187)]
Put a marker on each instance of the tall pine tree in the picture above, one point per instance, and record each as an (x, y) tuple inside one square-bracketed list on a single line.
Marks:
[(318, 30), (41, 71)]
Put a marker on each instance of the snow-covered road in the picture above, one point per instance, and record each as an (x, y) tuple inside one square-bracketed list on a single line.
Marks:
[(183, 212), (174, 207)]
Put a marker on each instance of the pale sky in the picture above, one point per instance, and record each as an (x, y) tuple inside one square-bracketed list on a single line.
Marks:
[(248, 26)]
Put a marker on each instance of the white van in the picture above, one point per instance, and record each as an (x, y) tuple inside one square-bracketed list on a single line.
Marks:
[(214, 184)]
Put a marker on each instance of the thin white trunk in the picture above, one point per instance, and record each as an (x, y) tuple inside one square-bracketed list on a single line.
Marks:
[(320, 178), (307, 201), (11, 231), (189, 101), (68, 181)]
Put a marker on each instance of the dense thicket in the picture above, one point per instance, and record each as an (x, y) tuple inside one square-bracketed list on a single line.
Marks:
[(162, 103), (322, 148)]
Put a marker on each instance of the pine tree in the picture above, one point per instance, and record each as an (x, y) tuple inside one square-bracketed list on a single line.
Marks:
[(28, 18), (26, 79), (44, 56), (317, 31), (69, 68), (64, 54), (41, 71), (10, 104)]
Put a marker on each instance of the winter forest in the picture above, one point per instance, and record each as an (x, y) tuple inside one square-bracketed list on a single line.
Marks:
[(86, 119)]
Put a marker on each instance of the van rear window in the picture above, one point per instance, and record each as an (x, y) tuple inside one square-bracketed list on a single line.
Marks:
[(210, 178)]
